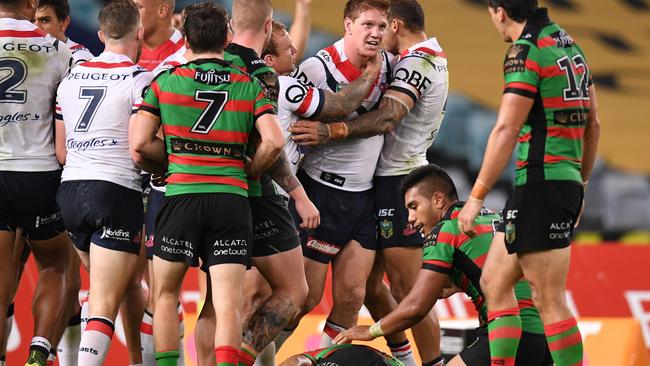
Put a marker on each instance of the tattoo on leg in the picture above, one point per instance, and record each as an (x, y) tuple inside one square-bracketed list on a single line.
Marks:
[(267, 322)]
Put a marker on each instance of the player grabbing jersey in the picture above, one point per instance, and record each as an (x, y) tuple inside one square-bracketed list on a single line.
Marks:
[(53, 16), (433, 207), (410, 115), (100, 196), (206, 136), (29, 173), (549, 100)]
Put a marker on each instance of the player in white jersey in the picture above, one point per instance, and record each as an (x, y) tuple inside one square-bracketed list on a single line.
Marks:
[(338, 176), (100, 195), (410, 115), (53, 16), (33, 64)]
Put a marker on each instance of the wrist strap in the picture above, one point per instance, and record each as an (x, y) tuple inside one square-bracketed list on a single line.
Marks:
[(338, 130), (480, 190), (375, 329)]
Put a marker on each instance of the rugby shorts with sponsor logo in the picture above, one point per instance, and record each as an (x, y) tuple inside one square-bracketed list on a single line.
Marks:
[(393, 228), (102, 213), (273, 227), (344, 216), (541, 215), (213, 227), (28, 201)]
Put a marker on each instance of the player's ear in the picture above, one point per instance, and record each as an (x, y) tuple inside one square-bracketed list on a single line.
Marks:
[(347, 25), (395, 25), (65, 23), (438, 200), (139, 34), (100, 34), (270, 61)]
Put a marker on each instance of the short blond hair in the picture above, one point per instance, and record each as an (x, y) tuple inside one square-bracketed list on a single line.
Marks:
[(250, 14)]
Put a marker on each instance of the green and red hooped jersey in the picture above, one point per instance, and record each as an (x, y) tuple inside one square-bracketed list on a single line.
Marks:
[(248, 60), (449, 251), (547, 65), (351, 354), (207, 109)]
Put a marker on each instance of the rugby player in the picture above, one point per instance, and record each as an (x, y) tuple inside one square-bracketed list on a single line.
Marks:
[(160, 38), (410, 114), (100, 197), (53, 16), (29, 172), (338, 175), (215, 176), (343, 355), (548, 106), (433, 207)]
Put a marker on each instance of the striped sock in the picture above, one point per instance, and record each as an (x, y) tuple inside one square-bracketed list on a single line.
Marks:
[(228, 356), (565, 342), (246, 358), (504, 332), (403, 352), (330, 331), (167, 358), (438, 361), (95, 341)]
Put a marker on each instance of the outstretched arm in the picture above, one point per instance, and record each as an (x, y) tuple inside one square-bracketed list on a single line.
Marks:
[(301, 27)]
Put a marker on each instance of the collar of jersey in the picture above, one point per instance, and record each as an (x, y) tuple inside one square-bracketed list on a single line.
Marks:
[(112, 58)]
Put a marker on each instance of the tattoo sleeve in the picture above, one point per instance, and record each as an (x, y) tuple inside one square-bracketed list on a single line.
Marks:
[(339, 105), (281, 173), (379, 121)]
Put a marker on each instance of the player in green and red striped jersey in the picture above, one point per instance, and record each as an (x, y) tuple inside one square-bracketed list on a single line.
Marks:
[(207, 109), (343, 355), (549, 102), (449, 255)]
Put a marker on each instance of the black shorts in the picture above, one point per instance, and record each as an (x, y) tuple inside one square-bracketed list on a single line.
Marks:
[(273, 227), (154, 203), (344, 216), (393, 228), (102, 213), (215, 227), (28, 201), (540, 216), (532, 351)]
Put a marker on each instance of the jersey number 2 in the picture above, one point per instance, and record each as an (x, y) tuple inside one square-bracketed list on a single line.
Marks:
[(217, 100), (8, 84), (95, 96)]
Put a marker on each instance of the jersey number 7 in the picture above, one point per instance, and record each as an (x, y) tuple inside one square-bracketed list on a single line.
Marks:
[(217, 100), (95, 96)]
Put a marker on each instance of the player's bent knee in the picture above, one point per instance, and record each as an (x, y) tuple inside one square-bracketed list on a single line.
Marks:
[(351, 300)]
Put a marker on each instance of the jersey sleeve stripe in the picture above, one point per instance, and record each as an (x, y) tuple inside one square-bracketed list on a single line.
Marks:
[(199, 178), (35, 33), (436, 268), (58, 116), (519, 85), (405, 91), (217, 135), (205, 160), (522, 92), (431, 52), (149, 108), (321, 103), (306, 103), (265, 109)]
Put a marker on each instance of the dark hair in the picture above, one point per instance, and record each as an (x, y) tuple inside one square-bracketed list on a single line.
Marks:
[(272, 47), (408, 11), (61, 7), (517, 10), (355, 7), (118, 18), (431, 178), (10, 3), (206, 27)]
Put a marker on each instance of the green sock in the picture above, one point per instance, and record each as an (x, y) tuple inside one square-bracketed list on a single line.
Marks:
[(565, 342), (167, 358), (504, 332)]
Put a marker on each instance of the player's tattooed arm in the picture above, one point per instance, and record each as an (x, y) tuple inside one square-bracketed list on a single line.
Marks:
[(337, 106), (394, 106), (281, 173)]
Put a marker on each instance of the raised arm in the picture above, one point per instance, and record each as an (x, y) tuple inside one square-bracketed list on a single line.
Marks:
[(301, 27)]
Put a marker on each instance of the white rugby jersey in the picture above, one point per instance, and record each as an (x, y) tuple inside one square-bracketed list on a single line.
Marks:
[(79, 52), (32, 64), (175, 59), (347, 164), (421, 73), (96, 101)]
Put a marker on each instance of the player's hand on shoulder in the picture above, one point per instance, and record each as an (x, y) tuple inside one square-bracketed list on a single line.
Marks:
[(310, 133), (467, 216), (357, 333)]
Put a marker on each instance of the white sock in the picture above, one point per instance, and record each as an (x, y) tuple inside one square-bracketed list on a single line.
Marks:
[(51, 358), (403, 352), (84, 312), (68, 348), (330, 332), (267, 356), (146, 340), (95, 341), (282, 337), (41, 343), (181, 347)]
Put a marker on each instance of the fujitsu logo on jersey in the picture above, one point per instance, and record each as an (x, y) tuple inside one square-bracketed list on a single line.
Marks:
[(212, 77)]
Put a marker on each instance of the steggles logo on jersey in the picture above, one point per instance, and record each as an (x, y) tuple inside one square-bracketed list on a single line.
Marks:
[(17, 118), (92, 144)]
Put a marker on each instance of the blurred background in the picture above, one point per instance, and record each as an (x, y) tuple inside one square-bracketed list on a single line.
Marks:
[(609, 284)]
